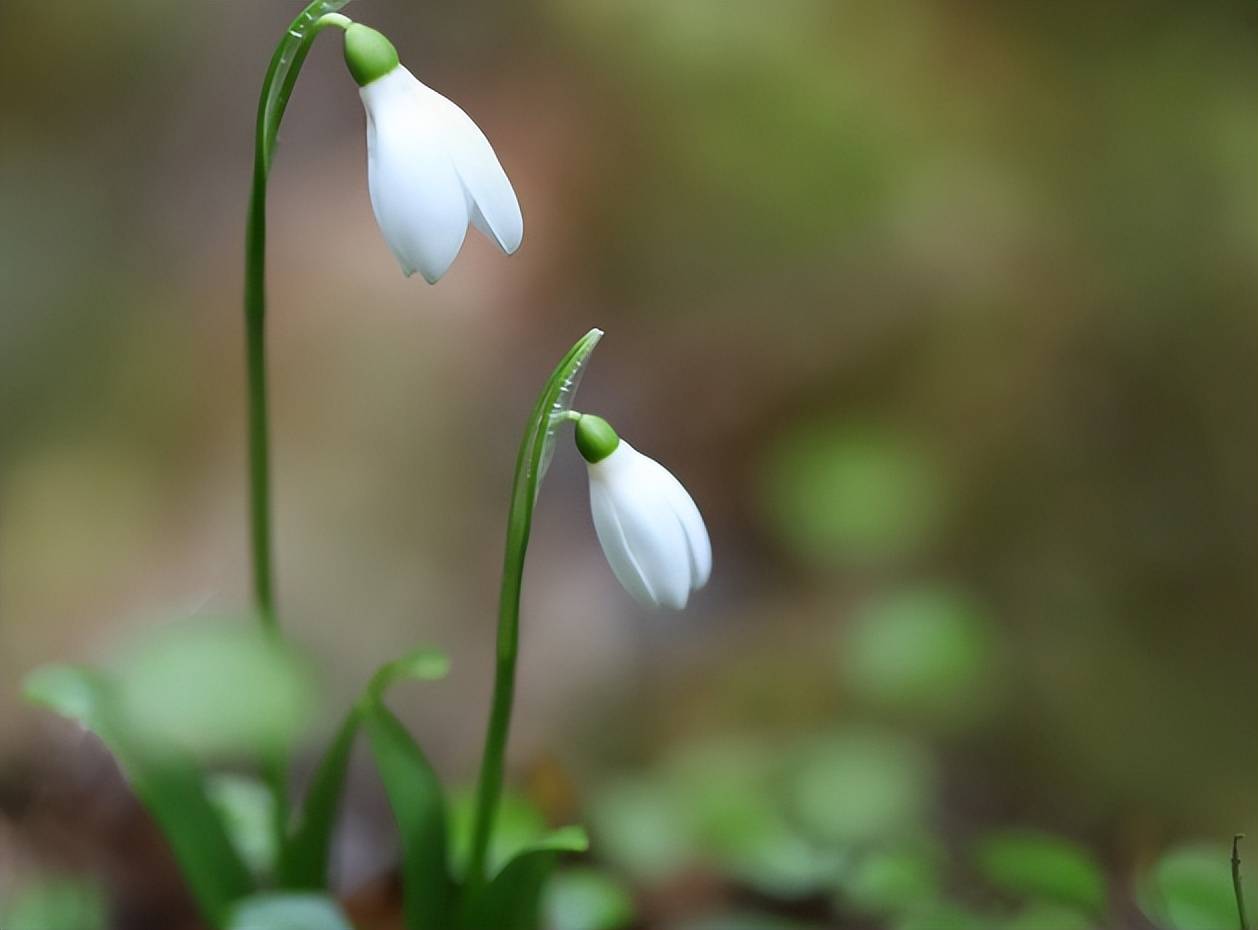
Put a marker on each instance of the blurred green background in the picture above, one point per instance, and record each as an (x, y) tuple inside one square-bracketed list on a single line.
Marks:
[(945, 313)]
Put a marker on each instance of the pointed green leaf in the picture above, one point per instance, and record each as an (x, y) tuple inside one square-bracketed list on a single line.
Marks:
[(274, 911), (306, 857), (420, 665), (247, 809), (517, 825), (304, 863), (418, 806), (169, 786), (512, 900)]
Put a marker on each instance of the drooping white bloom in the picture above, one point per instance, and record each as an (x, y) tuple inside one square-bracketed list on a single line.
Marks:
[(430, 169), (649, 527)]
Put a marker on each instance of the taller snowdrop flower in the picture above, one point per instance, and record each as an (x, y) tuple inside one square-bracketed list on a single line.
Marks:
[(430, 169), (647, 524)]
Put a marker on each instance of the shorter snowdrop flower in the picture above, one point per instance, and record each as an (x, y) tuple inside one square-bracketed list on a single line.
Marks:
[(430, 169), (648, 526)]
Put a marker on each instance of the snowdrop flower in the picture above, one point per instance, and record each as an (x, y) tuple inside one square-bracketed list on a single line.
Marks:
[(430, 169), (648, 526)]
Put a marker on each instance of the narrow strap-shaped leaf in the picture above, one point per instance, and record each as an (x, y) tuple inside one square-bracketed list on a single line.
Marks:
[(306, 856), (512, 900), (418, 806), (304, 864), (170, 787)]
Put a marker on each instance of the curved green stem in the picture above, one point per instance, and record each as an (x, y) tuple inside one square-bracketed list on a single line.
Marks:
[(277, 87), (551, 408)]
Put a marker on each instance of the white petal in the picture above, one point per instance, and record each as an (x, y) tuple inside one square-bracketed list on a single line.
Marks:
[(611, 537), (492, 204), (644, 541), (687, 513), (416, 193)]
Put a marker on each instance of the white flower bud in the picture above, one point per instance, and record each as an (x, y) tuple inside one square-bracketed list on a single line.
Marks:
[(649, 527)]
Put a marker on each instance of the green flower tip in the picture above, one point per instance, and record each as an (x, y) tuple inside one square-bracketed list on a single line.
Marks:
[(595, 438), (368, 54)]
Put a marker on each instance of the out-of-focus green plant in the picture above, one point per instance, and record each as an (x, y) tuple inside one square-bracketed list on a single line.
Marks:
[(862, 786), (1190, 888), (896, 881), (850, 494), (1042, 867), (927, 653), (587, 899), (288, 911), (56, 904), (211, 690), (215, 826)]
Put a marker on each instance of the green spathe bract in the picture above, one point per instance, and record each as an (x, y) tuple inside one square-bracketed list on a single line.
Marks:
[(368, 54)]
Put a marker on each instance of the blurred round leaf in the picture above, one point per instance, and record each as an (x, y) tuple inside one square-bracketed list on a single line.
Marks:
[(518, 825), (742, 920), (859, 786), (945, 916), (214, 688), (724, 786), (926, 651), (638, 826), (850, 494), (247, 809), (56, 904), (288, 911), (70, 690), (1190, 888), (1042, 867), (777, 861), (900, 881), (1051, 917), (586, 899)]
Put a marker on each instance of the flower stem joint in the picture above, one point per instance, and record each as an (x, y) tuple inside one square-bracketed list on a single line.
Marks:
[(647, 523)]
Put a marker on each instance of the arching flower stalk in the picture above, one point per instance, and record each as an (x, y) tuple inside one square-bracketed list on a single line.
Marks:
[(431, 172)]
